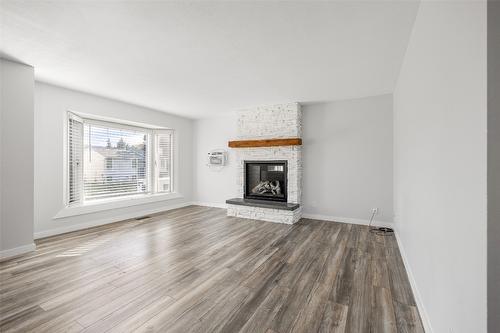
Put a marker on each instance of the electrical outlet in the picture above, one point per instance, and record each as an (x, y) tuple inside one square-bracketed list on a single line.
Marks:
[(375, 211)]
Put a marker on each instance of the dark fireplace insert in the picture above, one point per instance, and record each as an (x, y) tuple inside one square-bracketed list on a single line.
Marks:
[(265, 180)]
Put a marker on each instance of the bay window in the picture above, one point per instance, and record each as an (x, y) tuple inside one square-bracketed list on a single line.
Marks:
[(110, 160)]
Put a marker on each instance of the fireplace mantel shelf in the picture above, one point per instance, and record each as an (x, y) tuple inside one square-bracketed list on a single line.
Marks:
[(265, 143)]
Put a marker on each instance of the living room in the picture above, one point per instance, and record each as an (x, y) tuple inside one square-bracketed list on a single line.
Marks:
[(212, 166)]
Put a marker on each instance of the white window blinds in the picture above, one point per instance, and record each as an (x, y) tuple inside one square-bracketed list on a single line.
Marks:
[(163, 162), (75, 159), (110, 160)]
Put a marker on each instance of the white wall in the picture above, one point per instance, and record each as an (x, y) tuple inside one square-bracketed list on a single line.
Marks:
[(493, 165), (440, 164), (16, 158), (213, 186), (51, 105), (347, 159)]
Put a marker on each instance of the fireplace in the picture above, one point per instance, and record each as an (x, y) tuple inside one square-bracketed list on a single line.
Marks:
[(268, 160), (265, 180)]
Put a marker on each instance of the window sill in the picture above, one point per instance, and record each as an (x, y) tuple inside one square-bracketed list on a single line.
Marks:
[(109, 204)]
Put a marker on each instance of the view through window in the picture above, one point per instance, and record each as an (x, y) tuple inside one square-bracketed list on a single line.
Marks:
[(115, 162)]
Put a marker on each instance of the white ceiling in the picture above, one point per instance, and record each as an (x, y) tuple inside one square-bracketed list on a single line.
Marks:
[(198, 59)]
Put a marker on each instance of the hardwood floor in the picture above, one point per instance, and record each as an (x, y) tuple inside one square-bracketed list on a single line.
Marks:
[(195, 270)]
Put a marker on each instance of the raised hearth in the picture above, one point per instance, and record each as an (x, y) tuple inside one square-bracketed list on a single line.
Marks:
[(263, 204)]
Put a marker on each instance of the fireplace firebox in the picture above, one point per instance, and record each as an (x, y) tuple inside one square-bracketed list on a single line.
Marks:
[(265, 180)]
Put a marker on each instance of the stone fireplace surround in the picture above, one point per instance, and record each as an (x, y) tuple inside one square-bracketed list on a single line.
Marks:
[(270, 122)]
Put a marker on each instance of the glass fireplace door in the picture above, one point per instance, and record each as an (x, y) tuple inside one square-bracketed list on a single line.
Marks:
[(265, 180)]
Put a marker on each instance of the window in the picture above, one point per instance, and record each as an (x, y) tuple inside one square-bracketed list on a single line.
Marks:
[(112, 160), (164, 162)]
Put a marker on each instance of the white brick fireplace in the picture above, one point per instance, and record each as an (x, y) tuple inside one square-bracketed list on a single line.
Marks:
[(270, 122)]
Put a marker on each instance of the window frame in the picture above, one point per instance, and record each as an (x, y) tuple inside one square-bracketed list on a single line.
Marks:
[(151, 195)]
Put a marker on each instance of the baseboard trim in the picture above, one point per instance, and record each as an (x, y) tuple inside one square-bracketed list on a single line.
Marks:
[(418, 299), (312, 216), (81, 226), (349, 220), (17, 251), (210, 204)]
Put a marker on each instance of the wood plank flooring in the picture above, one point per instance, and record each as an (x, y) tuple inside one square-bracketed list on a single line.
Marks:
[(195, 270)]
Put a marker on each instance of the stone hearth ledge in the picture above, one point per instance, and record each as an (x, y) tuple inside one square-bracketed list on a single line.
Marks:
[(265, 214), (263, 204)]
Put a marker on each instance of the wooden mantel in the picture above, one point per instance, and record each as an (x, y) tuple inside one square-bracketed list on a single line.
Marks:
[(265, 143)]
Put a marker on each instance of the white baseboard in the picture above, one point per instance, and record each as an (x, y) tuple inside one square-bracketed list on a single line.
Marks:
[(210, 204), (349, 220), (312, 216), (416, 294), (6, 254), (96, 223)]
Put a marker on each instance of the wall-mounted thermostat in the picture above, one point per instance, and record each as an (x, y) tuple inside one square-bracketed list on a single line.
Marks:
[(217, 158)]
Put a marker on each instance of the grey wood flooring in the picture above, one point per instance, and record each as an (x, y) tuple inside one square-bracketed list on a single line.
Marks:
[(195, 270)]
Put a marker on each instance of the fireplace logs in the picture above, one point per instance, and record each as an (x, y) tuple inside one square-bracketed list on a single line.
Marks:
[(266, 186)]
